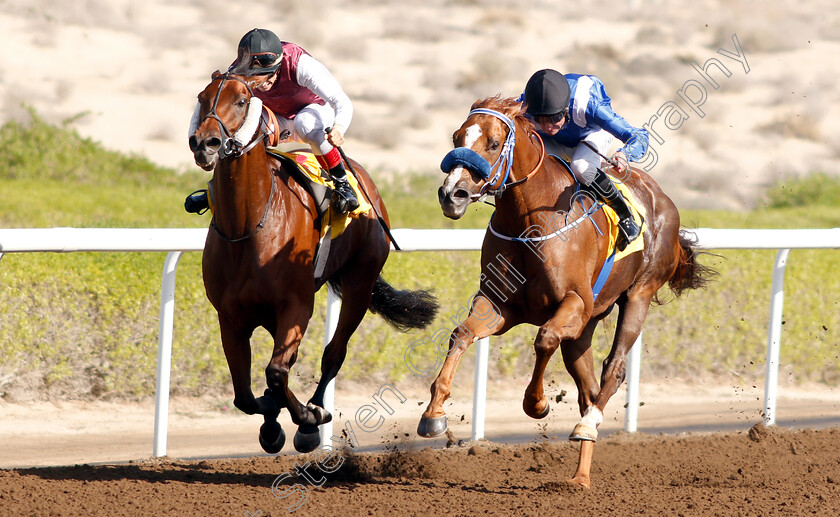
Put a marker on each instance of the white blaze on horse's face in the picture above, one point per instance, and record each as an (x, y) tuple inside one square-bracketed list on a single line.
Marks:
[(473, 133)]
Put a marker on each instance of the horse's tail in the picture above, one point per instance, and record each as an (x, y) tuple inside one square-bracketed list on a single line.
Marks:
[(403, 309), (690, 274)]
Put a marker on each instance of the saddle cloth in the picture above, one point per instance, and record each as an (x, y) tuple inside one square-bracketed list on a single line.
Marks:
[(309, 166), (639, 215)]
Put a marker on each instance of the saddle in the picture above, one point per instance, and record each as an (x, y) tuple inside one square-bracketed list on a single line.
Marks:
[(639, 215), (306, 170)]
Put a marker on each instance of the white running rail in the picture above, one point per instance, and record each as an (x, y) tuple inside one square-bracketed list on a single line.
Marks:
[(175, 241)]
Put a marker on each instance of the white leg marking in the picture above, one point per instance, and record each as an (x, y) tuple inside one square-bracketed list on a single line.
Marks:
[(592, 417)]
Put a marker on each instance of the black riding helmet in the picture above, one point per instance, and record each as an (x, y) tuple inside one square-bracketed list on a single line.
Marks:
[(547, 93), (260, 52)]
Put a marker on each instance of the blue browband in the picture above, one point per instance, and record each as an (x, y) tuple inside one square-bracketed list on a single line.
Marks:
[(474, 162)]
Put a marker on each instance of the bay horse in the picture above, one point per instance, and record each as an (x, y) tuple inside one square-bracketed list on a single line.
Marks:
[(545, 277), (258, 261)]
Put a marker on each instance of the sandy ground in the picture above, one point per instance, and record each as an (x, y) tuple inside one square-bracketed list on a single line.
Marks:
[(42, 434), (126, 73), (676, 465)]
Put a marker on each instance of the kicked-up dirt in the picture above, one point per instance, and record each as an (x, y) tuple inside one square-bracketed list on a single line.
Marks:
[(763, 471)]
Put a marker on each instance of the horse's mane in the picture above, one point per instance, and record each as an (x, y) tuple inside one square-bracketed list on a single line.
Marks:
[(509, 106)]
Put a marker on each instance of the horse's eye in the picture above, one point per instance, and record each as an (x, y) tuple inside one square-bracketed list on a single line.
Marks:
[(242, 102), (494, 144)]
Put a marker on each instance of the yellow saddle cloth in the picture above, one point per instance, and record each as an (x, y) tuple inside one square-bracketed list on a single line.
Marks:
[(309, 165), (639, 215)]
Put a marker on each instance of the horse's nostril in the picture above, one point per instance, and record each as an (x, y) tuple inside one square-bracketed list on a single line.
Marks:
[(461, 193), (193, 143), (213, 143)]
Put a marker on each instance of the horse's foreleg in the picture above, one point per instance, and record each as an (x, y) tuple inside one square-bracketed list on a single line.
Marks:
[(632, 313), (482, 321), (237, 346), (567, 323), (577, 356), (291, 325)]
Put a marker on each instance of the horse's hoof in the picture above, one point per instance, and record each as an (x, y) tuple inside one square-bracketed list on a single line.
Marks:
[(431, 427), (584, 433), (542, 414), (272, 437), (322, 416), (307, 438)]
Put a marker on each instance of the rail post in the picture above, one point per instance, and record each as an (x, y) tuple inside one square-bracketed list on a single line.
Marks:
[(774, 336), (164, 359), (330, 324)]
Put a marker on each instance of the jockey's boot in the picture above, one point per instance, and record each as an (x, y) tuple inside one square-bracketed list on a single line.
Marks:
[(343, 198), (197, 203), (605, 189)]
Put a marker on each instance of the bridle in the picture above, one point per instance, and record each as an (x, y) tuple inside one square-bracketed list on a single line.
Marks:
[(497, 174), (233, 145)]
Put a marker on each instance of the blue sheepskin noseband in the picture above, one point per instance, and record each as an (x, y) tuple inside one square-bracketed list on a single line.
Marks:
[(467, 158), (475, 163)]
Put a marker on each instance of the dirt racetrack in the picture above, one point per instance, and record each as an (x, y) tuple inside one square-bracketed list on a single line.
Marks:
[(759, 472)]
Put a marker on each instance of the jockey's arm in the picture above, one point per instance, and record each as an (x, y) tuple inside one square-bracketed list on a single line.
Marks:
[(635, 139), (312, 74)]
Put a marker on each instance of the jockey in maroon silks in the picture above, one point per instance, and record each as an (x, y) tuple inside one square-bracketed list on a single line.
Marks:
[(306, 99)]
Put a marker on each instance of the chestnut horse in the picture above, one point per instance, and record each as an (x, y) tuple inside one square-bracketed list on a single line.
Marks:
[(538, 267), (258, 261)]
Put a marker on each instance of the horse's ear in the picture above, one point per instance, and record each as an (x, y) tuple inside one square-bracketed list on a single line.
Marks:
[(216, 74)]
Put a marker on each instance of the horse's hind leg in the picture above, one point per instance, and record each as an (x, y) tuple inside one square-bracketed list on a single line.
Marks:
[(482, 321), (632, 314)]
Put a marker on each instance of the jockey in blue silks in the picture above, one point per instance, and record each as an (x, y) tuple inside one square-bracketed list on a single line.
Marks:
[(572, 113)]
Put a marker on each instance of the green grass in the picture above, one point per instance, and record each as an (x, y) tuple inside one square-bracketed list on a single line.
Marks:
[(85, 325)]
